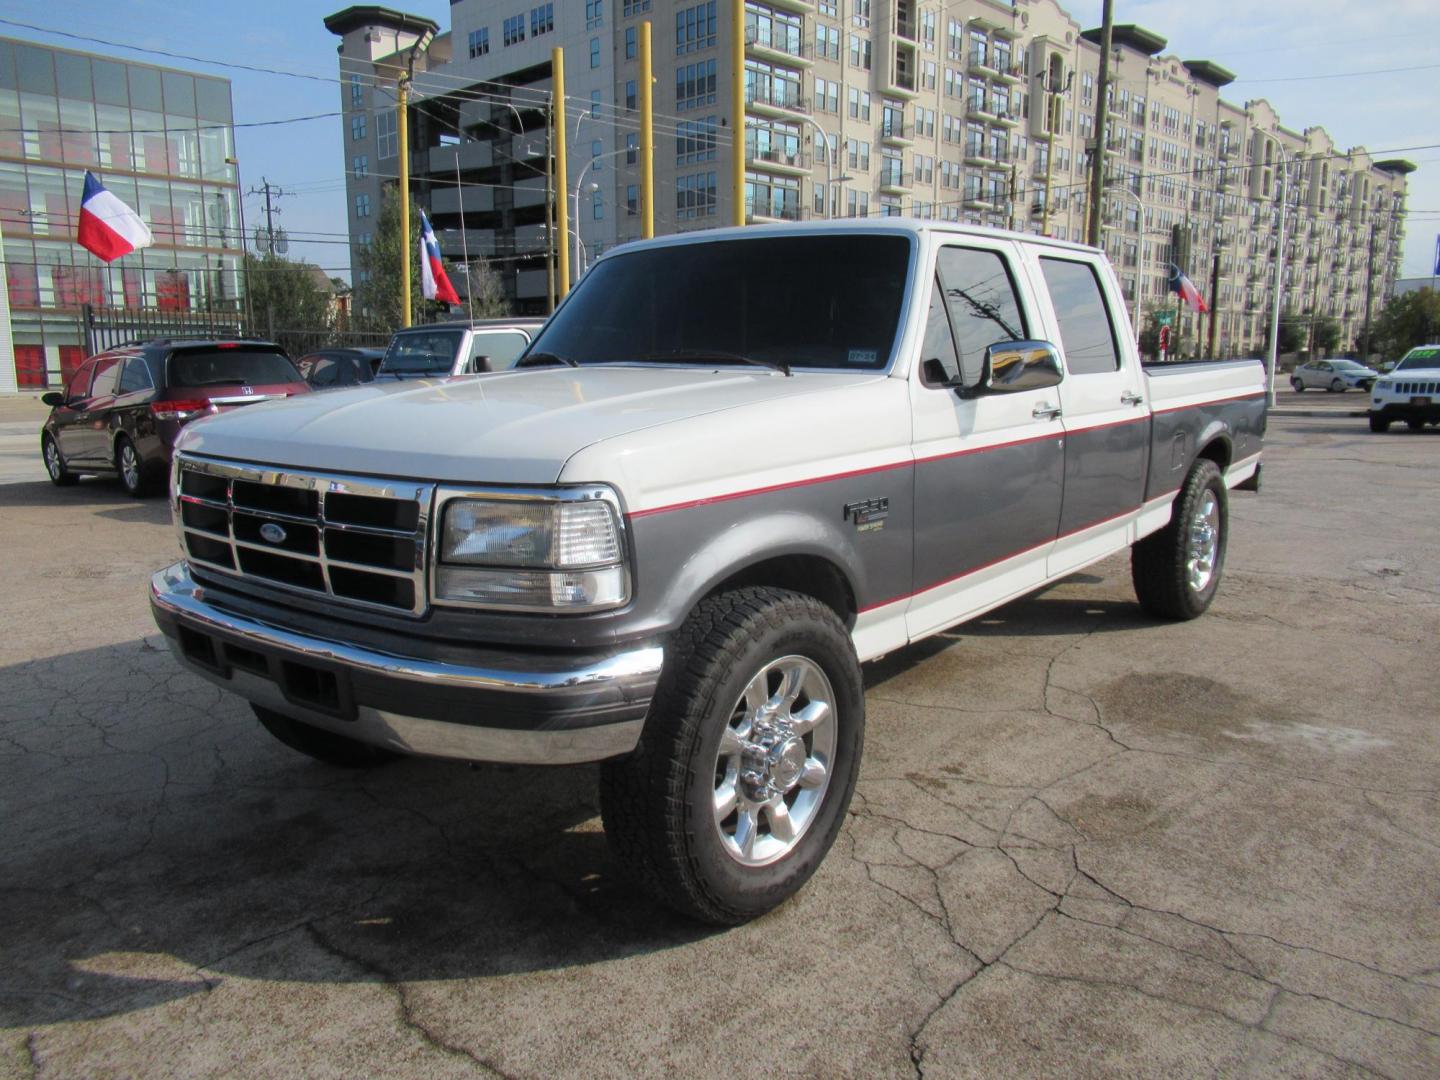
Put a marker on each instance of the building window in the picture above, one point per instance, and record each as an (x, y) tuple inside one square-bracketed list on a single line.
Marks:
[(830, 7), (514, 30), (632, 88), (357, 92), (827, 96), (695, 85), (542, 19), (772, 196), (594, 53), (594, 14), (357, 126), (630, 47), (860, 52), (635, 7), (859, 104), (479, 42), (859, 154), (695, 28), (827, 42), (857, 203), (632, 148), (597, 206), (695, 196), (360, 165), (695, 140), (362, 206), (818, 206), (597, 148), (860, 12), (387, 137), (632, 200)]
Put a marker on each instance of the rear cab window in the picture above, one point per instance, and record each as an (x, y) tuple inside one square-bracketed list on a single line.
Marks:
[(422, 352), (496, 350), (242, 366), (1087, 328)]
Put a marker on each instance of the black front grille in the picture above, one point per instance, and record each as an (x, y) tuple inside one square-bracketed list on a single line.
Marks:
[(1418, 388), (360, 540)]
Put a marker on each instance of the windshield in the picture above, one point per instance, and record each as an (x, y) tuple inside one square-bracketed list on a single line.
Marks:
[(422, 352), (1349, 365), (1420, 358), (828, 301), (225, 367)]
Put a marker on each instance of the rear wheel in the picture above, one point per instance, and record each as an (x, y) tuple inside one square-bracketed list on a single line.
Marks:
[(60, 476), (320, 744), (136, 477), (1177, 570), (1415, 425), (1379, 424), (748, 760)]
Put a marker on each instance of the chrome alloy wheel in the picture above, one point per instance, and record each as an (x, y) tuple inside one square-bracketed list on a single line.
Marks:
[(52, 460), (773, 765), (1203, 542), (129, 466)]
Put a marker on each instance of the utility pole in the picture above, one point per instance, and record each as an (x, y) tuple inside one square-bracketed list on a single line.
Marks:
[(403, 125), (562, 204), (737, 108), (1102, 110), (1214, 298), (550, 207), (1369, 293), (271, 192), (647, 137)]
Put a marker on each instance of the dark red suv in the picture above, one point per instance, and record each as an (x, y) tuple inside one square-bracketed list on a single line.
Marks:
[(122, 409)]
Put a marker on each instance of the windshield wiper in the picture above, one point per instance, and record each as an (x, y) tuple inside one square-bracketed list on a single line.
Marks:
[(537, 359), (711, 355)]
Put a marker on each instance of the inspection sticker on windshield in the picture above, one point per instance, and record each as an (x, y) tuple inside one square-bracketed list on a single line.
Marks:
[(863, 356)]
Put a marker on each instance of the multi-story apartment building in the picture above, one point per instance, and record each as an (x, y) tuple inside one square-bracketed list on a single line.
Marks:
[(968, 110), (162, 140)]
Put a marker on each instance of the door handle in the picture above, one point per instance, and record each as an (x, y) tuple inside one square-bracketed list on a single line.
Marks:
[(1131, 398), (1045, 411)]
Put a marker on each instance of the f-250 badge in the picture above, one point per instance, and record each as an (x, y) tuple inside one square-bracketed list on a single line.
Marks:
[(869, 515)]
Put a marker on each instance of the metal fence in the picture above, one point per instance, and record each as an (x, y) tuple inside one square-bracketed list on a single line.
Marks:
[(106, 328)]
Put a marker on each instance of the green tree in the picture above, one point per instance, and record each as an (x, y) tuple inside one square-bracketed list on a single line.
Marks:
[(376, 296), (285, 295), (1288, 340), (1407, 320)]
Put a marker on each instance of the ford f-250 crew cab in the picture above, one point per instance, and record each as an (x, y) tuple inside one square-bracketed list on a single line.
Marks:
[(733, 466)]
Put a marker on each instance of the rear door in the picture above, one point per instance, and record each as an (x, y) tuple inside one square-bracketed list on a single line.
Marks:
[(988, 468), (1107, 425)]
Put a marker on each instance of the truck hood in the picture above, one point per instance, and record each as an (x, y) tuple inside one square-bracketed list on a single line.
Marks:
[(513, 427)]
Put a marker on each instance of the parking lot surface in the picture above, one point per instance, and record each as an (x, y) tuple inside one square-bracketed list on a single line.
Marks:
[(1084, 843)]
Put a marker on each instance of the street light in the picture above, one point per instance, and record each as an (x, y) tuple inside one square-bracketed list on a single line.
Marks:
[(1124, 189), (579, 184), (1273, 361)]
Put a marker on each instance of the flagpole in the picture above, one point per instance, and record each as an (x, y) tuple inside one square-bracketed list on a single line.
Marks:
[(403, 134), (464, 243)]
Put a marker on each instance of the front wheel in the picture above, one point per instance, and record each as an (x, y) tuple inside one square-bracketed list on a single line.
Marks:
[(1177, 570), (60, 476), (1379, 424), (1297, 386), (748, 760), (1337, 386)]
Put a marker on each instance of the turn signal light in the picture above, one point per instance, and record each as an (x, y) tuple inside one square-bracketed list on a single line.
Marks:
[(178, 410)]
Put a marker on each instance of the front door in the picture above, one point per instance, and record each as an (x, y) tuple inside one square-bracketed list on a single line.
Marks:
[(71, 420), (1107, 427), (987, 468)]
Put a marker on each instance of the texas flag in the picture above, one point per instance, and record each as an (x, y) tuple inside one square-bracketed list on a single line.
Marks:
[(1184, 288), (109, 228), (434, 282)]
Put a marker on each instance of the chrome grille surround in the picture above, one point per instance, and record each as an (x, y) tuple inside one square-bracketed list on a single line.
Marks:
[(203, 490)]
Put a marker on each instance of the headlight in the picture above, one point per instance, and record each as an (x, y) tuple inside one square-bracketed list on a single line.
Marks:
[(551, 553)]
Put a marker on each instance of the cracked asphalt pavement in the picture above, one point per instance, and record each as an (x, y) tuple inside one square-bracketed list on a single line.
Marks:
[(1083, 843)]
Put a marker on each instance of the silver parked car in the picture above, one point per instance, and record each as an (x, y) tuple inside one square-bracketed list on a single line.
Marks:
[(1334, 375)]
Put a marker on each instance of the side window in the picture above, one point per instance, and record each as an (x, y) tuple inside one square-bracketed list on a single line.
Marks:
[(939, 365), (135, 377), (1087, 334), (107, 377), (325, 372), (982, 302), (79, 384)]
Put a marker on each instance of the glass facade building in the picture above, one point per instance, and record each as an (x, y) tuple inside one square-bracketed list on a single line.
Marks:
[(163, 141)]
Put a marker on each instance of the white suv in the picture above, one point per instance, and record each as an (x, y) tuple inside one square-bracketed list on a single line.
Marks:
[(1410, 392)]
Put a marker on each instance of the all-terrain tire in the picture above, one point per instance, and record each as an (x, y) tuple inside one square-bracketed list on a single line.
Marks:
[(1379, 424), (659, 804), (320, 744), (1177, 570)]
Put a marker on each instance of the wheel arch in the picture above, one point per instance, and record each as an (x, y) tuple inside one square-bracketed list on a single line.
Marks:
[(1215, 445)]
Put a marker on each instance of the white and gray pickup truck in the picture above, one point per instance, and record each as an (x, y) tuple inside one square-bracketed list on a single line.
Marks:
[(732, 467)]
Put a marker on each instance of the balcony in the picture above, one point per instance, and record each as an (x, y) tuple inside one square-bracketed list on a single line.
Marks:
[(1010, 75), (895, 133), (805, 7), (770, 213), (774, 101), (765, 44), (895, 182), (1006, 119), (774, 159), (979, 154), (978, 200), (899, 78)]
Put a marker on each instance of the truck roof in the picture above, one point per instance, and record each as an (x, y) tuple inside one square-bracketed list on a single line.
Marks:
[(908, 226), (525, 322)]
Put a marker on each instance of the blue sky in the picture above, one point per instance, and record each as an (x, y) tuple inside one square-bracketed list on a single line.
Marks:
[(1274, 46)]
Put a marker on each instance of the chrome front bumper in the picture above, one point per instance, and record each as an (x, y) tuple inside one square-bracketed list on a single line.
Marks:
[(497, 705)]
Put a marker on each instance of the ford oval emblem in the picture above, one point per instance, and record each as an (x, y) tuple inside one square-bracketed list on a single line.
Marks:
[(272, 533)]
